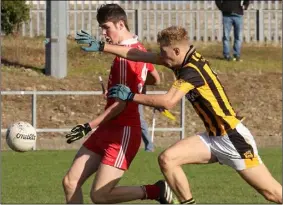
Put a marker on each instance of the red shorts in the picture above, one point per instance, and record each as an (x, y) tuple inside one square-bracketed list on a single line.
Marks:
[(117, 144)]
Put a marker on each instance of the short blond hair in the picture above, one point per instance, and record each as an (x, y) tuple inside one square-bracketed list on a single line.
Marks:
[(172, 35)]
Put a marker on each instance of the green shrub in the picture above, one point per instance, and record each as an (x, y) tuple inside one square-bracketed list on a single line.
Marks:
[(13, 13)]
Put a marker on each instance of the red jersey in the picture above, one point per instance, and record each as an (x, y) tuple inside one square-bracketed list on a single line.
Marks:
[(133, 75)]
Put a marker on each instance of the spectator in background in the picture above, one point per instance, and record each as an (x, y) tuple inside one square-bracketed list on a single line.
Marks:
[(232, 12)]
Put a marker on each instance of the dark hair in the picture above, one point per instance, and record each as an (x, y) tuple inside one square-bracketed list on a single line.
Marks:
[(112, 13)]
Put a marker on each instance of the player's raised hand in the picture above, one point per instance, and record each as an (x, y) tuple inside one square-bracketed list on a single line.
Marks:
[(83, 37), (78, 132), (121, 91), (83, 33)]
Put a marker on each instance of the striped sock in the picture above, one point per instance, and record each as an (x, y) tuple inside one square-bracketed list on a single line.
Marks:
[(189, 201)]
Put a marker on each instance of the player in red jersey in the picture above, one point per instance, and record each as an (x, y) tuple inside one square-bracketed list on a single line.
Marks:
[(110, 149)]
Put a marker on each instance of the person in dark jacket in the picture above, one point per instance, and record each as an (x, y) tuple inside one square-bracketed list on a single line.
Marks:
[(232, 12)]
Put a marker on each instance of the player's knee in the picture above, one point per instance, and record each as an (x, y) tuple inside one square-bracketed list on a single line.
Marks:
[(165, 160), (69, 183), (98, 197)]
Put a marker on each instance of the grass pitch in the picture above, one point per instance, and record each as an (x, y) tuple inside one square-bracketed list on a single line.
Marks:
[(35, 177)]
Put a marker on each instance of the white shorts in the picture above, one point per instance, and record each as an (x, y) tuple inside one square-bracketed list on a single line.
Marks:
[(237, 149)]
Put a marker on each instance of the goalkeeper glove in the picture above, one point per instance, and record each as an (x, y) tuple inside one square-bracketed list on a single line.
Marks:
[(121, 91), (85, 38), (78, 132)]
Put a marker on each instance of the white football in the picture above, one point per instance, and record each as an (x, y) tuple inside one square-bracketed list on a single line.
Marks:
[(21, 136)]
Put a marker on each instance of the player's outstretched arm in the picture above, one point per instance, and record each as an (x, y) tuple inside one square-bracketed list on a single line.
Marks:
[(167, 101), (115, 109), (133, 54), (80, 131)]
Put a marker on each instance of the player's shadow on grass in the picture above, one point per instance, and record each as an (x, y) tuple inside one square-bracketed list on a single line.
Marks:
[(19, 65)]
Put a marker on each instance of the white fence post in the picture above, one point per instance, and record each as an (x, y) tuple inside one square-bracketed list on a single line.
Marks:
[(38, 19), (89, 17), (30, 24), (248, 38), (276, 36), (33, 107), (260, 25), (139, 22)]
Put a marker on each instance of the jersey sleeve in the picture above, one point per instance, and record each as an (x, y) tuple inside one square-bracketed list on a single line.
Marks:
[(188, 79)]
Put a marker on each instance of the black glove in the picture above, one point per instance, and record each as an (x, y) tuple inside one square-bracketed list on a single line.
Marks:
[(78, 132)]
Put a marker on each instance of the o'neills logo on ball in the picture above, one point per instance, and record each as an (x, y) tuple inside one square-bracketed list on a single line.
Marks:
[(26, 137)]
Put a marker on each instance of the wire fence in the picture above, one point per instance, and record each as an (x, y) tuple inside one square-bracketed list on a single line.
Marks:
[(262, 21)]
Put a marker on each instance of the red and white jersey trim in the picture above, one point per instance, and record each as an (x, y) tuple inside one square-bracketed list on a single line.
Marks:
[(123, 71), (124, 146)]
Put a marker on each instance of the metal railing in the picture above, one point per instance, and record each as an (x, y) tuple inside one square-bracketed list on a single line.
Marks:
[(35, 95)]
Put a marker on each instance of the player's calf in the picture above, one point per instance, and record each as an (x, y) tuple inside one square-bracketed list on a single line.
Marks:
[(261, 180), (99, 198), (160, 191)]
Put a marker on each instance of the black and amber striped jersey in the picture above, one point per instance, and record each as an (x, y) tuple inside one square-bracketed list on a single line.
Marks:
[(206, 93)]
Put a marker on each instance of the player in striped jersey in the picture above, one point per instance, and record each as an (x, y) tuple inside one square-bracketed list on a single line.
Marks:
[(226, 139), (110, 149)]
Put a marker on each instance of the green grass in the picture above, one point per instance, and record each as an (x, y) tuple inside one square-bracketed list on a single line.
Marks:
[(35, 177)]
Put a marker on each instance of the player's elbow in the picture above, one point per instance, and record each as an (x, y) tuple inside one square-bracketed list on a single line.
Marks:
[(120, 104), (156, 77), (152, 78), (117, 107), (169, 104), (157, 81)]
